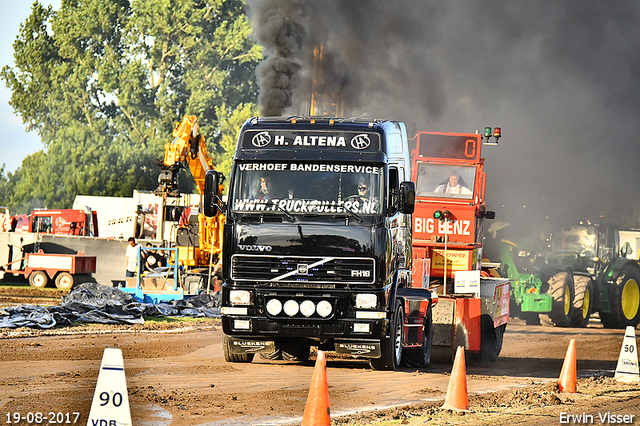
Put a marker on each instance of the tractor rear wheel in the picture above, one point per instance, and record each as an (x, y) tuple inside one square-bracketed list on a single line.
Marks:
[(561, 289), (624, 301), (583, 300)]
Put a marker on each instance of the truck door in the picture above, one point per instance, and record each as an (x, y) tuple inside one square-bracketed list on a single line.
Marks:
[(397, 226)]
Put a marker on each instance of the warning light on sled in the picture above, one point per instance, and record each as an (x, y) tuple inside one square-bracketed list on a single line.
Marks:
[(491, 136)]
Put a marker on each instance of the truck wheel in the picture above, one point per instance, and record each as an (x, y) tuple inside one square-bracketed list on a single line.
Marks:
[(488, 340), (38, 279), (229, 357), (421, 357), (624, 301), (561, 289), (427, 340), (64, 281), (391, 348), (500, 337), (583, 301)]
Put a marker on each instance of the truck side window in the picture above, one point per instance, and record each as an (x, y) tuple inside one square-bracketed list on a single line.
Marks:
[(394, 143), (394, 190)]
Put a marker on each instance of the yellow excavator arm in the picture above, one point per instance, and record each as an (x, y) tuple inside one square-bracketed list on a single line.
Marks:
[(188, 146)]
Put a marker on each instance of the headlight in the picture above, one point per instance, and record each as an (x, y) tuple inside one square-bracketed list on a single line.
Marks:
[(307, 308), (240, 297), (274, 307), (291, 307), (366, 301), (324, 308)]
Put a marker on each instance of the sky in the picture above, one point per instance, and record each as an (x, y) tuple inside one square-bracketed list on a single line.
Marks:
[(16, 142)]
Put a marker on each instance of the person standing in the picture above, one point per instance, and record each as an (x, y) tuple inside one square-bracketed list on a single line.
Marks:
[(132, 257)]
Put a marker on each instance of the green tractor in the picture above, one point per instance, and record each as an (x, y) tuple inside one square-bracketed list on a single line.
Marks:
[(574, 274)]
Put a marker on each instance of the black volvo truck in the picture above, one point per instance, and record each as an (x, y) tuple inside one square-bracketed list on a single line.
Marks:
[(317, 243)]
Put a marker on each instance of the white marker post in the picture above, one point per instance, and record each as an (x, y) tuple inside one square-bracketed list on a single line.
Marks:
[(627, 369), (110, 405)]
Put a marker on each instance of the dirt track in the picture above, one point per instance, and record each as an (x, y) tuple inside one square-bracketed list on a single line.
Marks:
[(179, 377)]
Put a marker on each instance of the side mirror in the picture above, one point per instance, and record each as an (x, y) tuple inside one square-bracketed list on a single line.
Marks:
[(626, 249), (488, 214), (211, 195), (407, 197)]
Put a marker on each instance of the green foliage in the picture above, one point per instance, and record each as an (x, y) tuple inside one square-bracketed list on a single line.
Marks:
[(231, 120), (103, 82)]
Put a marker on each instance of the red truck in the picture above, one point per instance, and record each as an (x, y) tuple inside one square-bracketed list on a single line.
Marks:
[(448, 225), (59, 222)]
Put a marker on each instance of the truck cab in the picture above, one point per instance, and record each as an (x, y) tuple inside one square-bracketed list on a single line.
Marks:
[(82, 222), (317, 242)]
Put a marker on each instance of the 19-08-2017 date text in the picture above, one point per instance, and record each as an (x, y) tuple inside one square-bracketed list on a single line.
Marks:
[(39, 418)]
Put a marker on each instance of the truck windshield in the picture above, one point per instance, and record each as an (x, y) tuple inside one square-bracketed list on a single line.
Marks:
[(440, 180), (308, 188)]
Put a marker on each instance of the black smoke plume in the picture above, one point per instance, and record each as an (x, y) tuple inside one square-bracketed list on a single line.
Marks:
[(562, 79)]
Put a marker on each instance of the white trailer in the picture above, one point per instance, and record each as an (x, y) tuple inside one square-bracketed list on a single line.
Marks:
[(144, 215)]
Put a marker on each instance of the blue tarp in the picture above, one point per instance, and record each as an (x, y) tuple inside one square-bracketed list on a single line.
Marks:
[(96, 303)]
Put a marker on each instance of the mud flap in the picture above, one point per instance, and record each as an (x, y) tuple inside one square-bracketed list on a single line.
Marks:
[(249, 346), (361, 349)]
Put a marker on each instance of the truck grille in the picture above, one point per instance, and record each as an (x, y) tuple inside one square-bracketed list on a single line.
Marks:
[(301, 269)]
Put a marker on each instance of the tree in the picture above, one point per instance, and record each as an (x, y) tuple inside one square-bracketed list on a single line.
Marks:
[(104, 81)]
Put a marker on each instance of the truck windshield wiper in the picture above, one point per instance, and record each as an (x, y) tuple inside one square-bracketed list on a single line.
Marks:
[(283, 210), (350, 213)]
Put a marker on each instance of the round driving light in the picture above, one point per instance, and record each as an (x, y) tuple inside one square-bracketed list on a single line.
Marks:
[(307, 308), (274, 307), (324, 308), (290, 307)]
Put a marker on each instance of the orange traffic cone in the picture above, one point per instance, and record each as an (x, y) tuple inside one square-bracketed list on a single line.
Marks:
[(568, 378), (457, 398), (316, 412)]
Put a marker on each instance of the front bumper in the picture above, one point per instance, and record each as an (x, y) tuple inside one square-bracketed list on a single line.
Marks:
[(257, 327), (366, 348)]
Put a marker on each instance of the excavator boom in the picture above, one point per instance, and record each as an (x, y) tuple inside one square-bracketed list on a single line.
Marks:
[(188, 147)]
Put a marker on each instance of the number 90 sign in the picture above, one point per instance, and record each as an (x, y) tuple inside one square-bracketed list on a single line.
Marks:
[(115, 400)]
